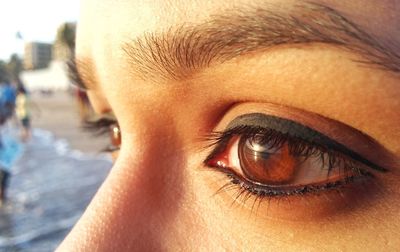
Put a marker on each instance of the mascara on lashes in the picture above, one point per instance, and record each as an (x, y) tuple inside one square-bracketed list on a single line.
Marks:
[(296, 130)]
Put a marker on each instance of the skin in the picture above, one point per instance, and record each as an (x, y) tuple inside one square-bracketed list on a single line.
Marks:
[(160, 196)]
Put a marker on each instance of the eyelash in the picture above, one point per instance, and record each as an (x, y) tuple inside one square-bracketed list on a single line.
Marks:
[(102, 126), (297, 147)]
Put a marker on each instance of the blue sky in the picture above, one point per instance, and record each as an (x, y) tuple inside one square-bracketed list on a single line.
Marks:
[(37, 20)]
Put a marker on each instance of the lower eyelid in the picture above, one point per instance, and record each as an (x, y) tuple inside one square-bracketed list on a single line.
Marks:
[(358, 196), (262, 190)]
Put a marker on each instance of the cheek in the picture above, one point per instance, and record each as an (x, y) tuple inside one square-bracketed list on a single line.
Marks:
[(161, 186)]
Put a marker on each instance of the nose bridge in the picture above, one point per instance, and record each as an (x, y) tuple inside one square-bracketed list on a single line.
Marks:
[(142, 194), (152, 160)]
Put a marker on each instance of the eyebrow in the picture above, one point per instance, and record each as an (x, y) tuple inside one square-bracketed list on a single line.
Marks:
[(180, 52)]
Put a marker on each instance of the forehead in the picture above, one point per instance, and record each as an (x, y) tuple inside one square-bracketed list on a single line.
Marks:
[(105, 23), (156, 13)]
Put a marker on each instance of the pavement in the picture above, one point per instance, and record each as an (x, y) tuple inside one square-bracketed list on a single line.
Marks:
[(58, 113), (58, 173)]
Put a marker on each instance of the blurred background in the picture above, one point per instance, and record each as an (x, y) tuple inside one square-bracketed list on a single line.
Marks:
[(50, 166)]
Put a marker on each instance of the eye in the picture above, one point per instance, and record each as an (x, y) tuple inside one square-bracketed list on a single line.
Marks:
[(271, 156)]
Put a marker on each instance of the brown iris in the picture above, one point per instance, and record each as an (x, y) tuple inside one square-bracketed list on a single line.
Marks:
[(263, 164)]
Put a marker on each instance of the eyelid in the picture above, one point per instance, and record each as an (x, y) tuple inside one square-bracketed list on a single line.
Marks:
[(342, 133), (296, 130)]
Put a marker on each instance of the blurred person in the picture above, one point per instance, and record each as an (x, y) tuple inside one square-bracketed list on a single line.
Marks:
[(22, 112), (4, 178), (7, 101), (10, 150), (244, 125)]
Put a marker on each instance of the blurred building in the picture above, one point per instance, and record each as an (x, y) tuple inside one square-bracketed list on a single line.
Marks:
[(37, 55), (44, 64)]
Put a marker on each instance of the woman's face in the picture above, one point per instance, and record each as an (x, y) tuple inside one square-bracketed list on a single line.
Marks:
[(246, 125)]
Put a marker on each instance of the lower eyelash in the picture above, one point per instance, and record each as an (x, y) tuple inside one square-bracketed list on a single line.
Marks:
[(245, 191), (268, 191)]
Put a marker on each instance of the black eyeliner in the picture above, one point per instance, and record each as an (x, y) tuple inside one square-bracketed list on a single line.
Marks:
[(297, 131)]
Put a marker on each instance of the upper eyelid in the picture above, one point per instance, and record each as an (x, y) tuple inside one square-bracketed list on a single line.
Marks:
[(286, 126), (354, 136)]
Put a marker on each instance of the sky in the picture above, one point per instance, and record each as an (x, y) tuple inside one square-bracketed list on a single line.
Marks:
[(36, 20)]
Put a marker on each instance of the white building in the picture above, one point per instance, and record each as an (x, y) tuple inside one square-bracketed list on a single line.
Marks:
[(53, 78)]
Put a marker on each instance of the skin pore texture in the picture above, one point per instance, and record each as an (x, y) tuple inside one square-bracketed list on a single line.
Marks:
[(160, 196)]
